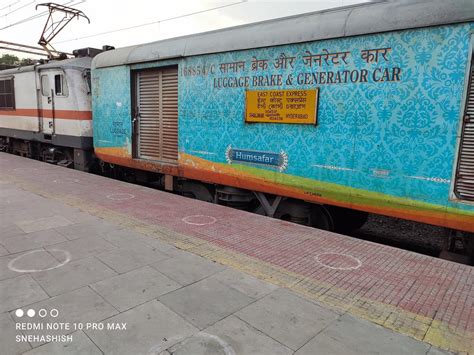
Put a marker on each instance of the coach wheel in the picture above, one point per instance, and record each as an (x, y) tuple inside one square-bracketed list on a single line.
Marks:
[(321, 218), (347, 220)]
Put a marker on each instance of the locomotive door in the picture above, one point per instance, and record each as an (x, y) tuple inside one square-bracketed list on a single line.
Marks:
[(53, 88), (46, 103), (53, 85), (155, 121)]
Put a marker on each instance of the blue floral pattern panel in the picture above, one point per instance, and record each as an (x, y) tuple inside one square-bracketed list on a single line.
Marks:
[(387, 118), (111, 107)]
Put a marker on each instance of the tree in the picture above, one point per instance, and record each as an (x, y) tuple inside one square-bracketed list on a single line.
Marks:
[(9, 59), (27, 61)]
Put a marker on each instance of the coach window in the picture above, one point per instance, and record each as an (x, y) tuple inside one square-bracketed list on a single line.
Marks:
[(60, 87), (7, 94), (45, 88)]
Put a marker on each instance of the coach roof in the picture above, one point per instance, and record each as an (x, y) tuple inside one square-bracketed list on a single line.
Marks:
[(373, 17)]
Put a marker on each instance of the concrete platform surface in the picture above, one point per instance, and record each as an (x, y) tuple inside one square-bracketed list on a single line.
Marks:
[(115, 268)]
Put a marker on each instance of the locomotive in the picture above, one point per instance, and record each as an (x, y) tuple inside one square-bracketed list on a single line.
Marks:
[(45, 111), (317, 118)]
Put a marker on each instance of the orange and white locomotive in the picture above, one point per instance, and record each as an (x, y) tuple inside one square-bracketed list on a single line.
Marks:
[(45, 111)]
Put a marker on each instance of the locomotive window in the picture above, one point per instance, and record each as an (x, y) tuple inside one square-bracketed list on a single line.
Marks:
[(87, 77), (60, 87), (7, 94), (45, 89)]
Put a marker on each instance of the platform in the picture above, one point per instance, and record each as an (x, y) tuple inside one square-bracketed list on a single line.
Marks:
[(188, 277)]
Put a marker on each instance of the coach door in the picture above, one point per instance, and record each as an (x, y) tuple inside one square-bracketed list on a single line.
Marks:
[(156, 115), (464, 182)]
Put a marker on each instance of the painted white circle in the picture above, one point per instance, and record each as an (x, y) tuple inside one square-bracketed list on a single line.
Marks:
[(121, 196), (19, 313), (31, 313), (228, 350), (11, 266), (338, 261), (66, 181), (42, 312), (199, 220), (54, 313)]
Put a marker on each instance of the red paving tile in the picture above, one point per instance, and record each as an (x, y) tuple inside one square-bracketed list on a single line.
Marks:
[(350, 269)]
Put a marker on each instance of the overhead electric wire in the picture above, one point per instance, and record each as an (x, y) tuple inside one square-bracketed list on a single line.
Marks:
[(38, 15), (25, 20), (125, 28), (18, 8), (154, 22), (11, 4)]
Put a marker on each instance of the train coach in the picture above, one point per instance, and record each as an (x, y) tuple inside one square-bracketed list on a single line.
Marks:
[(318, 118), (45, 110)]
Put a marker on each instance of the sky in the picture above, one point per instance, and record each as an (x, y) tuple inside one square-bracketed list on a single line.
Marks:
[(111, 20)]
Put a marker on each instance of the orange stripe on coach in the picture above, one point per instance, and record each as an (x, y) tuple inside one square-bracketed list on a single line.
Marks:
[(61, 114)]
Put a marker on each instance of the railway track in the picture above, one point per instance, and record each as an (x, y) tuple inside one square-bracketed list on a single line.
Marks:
[(417, 237)]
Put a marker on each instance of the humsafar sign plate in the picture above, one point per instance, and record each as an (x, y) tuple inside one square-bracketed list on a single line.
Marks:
[(281, 106)]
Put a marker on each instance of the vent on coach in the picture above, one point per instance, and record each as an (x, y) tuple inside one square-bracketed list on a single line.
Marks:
[(464, 183)]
